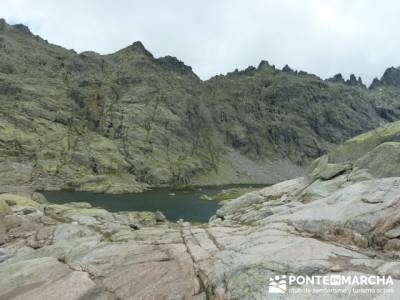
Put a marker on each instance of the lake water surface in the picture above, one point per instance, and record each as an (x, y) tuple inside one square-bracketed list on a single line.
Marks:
[(175, 205)]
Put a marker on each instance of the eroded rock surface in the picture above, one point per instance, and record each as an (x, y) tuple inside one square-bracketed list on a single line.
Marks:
[(79, 252), (117, 123), (344, 223)]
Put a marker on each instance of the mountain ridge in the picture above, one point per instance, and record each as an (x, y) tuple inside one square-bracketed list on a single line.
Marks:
[(353, 79), (119, 122)]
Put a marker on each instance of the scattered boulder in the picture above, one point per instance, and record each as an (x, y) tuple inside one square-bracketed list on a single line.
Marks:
[(159, 216), (332, 170), (393, 233), (393, 245), (39, 198)]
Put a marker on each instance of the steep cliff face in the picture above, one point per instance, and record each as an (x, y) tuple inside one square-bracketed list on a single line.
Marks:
[(114, 123), (285, 114), (391, 77), (98, 122)]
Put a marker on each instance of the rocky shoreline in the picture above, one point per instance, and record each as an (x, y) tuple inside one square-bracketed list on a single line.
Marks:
[(343, 218)]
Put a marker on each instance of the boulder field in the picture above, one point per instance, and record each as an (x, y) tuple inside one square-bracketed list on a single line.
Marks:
[(342, 218)]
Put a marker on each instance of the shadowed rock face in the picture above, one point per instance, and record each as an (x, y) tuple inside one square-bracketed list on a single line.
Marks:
[(391, 77), (116, 123), (343, 218)]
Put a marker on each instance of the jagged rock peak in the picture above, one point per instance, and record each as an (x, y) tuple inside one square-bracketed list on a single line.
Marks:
[(337, 78), (137, 47), (250, 70), (22, 28), (19, 27), (353, 81), (287, 69), (375, 83), (360, 82), (263, 64), (391, 77), (172, 63)]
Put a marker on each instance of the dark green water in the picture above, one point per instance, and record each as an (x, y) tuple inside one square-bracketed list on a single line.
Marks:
[(184, 204)]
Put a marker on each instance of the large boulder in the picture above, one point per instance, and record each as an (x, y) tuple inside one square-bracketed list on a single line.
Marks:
[(357, 147), (376, 152)]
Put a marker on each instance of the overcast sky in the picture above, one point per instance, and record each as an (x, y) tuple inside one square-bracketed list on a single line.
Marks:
[(323, 37)]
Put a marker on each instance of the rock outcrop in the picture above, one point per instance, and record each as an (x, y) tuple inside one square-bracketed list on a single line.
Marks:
[(342, 218), (337, 78), (117, 123), (391, 77)]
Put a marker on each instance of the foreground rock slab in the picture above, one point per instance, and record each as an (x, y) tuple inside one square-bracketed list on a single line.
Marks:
[(342, 220), (76, 251)]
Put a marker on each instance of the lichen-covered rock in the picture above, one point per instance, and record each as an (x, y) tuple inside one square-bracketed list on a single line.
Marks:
[(344, 229), (357, 147), (119, 122), (382, 161), (375, 154), (15, 200), (43, 278), (115, 123)]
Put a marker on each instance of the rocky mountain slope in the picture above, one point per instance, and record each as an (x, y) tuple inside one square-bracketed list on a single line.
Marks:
[(343, 218), (116, 123)]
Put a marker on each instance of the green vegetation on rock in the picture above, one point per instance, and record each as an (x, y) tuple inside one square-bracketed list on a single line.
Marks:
[(117, 123), (372, 154)]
